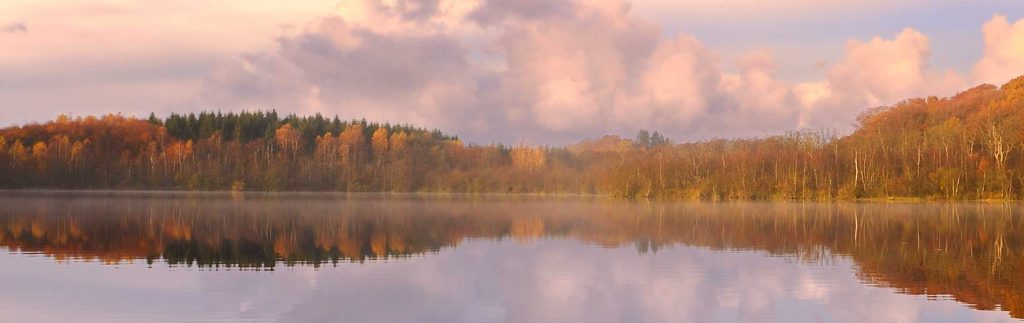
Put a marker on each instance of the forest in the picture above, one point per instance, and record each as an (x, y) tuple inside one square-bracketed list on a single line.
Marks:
[(968, 146)]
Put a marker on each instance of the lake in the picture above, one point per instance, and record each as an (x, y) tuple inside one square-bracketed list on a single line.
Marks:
[(310, 257)]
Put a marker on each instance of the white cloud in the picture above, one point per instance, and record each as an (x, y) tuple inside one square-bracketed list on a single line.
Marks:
[(882, 72), (555, 71), (547, 71), (759, 97), (874, 73), (1004, 51), (338, 67), (566, 69)]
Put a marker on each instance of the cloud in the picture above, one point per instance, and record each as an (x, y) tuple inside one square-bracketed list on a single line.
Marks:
[(557, 71), (1004, 51), (15, 28), (758, 97), (498, 11), (551, 71), (337, 66), (489, 70), (482, 281), (565, 75), (258, 81), (881, 72), (874, 73)]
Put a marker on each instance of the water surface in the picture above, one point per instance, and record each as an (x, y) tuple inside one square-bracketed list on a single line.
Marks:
[(163, 257)]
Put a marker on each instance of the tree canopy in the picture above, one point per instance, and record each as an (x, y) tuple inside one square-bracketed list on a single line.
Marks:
[(969, 146)]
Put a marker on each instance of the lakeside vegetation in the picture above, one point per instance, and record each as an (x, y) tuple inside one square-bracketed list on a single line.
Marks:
[(969, 146)]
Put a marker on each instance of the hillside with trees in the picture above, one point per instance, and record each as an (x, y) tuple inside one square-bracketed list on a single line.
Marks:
[(969, 146)]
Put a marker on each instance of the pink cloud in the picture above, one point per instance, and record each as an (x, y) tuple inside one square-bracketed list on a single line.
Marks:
[(1004, 51), (871, 74), (600, 69), (15, 28), (539, 71)]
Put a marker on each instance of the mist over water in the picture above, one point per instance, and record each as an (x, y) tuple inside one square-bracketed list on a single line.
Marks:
[(305, 257)]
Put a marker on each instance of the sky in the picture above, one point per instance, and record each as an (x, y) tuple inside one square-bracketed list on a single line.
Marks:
[(512, 71)]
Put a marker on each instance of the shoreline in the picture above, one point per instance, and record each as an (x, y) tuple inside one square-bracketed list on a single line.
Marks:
[(229, 193)]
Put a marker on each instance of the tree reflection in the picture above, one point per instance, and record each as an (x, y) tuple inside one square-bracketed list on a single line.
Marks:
[(972, 252)]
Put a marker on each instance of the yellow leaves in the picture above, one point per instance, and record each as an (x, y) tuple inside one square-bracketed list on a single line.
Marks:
[(39, 150), (287, 138), (398, 141), (60, 141), (1014, 86), (352, 144), (76, 150), (353, 136), (39, 156), (379, 142), (327, 149), (529, 158), (18, 151), (1012, 99), (177, 153)]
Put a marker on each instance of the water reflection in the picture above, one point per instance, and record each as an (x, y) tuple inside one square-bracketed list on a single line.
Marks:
[(969, 252)]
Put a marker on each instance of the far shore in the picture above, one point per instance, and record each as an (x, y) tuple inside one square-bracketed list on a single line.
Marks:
[(214, 193)]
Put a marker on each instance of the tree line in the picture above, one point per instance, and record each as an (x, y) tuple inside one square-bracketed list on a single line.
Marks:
[(968, 146)]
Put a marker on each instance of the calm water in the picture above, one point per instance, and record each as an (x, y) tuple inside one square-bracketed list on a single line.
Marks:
[(152, 257)]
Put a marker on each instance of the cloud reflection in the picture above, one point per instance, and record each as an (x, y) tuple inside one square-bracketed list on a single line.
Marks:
[(551, 280)]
